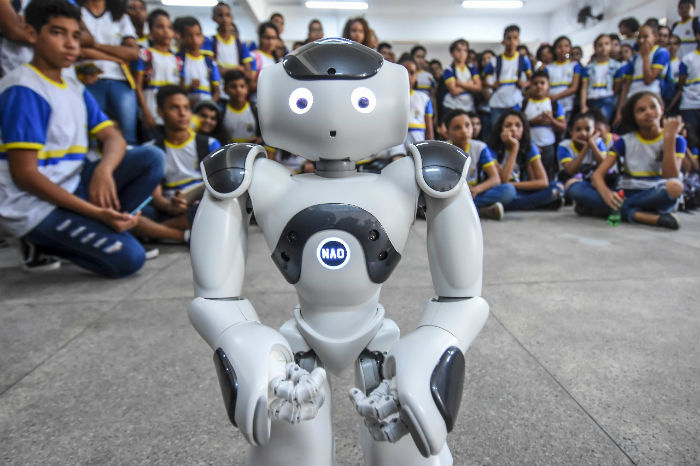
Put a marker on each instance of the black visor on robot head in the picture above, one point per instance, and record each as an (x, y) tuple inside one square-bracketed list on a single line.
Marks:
[(332, 59)]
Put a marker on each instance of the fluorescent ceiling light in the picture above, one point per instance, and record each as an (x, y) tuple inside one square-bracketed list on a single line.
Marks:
[(207, 3), (492, 4), (338, 5)]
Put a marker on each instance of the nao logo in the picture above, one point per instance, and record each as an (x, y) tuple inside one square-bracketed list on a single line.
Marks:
[(333, 253)]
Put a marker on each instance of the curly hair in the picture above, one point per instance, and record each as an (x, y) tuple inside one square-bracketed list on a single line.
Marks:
[(365, 28)]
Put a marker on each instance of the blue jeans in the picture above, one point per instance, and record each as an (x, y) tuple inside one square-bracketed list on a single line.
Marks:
[(526, 200), (90, 243), (503, 193), (117, 100), (654, 200), (606, 105)]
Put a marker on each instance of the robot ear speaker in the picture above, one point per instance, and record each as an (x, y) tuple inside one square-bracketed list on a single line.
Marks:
[(261, 422), (446, 384)]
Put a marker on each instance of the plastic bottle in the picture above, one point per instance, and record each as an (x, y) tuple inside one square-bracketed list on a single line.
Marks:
[(614, 218)]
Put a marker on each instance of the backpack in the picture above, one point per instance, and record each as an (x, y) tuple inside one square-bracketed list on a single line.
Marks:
[(499, 65)]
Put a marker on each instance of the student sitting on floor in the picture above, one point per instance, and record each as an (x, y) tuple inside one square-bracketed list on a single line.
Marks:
[(184, 150), (650, 158), (519, 163), (489, 195), (582, 153), (49, 195)]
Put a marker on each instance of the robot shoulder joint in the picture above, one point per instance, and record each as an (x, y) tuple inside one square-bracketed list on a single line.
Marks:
[(441, 168), (228, 171)]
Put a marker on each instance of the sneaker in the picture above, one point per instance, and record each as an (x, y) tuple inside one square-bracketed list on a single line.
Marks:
[(152, 253), (556, 203), (32, 260), (493, 211), (668, 221)]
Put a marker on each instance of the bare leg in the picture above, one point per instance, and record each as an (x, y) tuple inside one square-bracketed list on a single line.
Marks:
[(149, 228)]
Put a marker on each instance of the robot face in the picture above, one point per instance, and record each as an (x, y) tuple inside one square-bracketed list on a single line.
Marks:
[(333, 99)]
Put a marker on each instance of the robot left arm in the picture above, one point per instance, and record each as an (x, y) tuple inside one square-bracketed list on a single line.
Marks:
[(247, 354), (427, 365)]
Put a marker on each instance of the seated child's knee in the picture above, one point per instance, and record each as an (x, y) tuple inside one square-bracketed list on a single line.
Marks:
[(674, 188), (570, 182), (127, 259)]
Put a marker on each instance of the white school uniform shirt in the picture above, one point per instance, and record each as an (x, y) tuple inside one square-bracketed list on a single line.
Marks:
[(481, 156), (182, 164), (108, 31), (690, 68), (14, 54), (52, 118), (239, 125), (464, 100), (659, 58), (425, 81), (419, 106), (164, 70), (561, 75), (599, 77), (508, 94), (196, 68), (543, 135), (642, 159), (684, 30)]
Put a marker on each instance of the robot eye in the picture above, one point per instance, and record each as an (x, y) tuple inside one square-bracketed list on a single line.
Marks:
[(301, 100), (363, 100)]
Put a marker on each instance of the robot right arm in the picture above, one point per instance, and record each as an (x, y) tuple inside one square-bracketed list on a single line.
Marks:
[(254, 362)]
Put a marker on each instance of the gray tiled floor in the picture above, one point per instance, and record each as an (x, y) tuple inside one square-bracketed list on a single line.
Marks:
[(590, 355)]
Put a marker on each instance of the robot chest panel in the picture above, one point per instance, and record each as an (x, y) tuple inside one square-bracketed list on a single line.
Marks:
[(360, 231)]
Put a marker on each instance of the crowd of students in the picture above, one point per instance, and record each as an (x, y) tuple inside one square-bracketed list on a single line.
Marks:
[(105, 105)]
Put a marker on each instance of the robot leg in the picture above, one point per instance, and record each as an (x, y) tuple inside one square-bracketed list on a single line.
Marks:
[(308, 443), (367, 378)]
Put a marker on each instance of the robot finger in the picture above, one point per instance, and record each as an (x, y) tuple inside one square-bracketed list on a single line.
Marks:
[(310, 386), (295, 372), (283, 388), (394, 430)]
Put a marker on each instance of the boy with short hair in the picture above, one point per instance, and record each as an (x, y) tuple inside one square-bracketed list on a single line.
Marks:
[(511, 72), (461, 80), (184, 150), (240, 120), (489, 194), (229, 52), (684, 27), (425, 81), (49, 195), (200, 74), (157, 66), (545, 117)]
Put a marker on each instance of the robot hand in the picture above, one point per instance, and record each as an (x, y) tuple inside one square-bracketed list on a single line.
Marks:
[(249, 356), (298, 395), (424, 375), (381, 412)]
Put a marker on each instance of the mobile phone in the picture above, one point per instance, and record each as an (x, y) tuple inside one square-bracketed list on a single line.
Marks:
[(142, 205)]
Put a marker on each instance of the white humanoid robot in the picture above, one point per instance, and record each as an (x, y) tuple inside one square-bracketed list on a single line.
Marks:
[(337, 235)]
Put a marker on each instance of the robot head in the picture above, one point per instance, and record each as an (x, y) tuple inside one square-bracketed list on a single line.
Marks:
[(333, 99)]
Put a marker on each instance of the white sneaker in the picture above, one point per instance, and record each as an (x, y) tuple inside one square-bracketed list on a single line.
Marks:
[(152, 253)]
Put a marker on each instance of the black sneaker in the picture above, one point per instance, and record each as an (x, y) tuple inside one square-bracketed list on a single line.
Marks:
[(556, 203), (493, 211), (34, 260), (668, 221)]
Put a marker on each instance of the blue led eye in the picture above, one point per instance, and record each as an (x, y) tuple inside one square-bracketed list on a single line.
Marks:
[(363, 102), (301, 100)]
